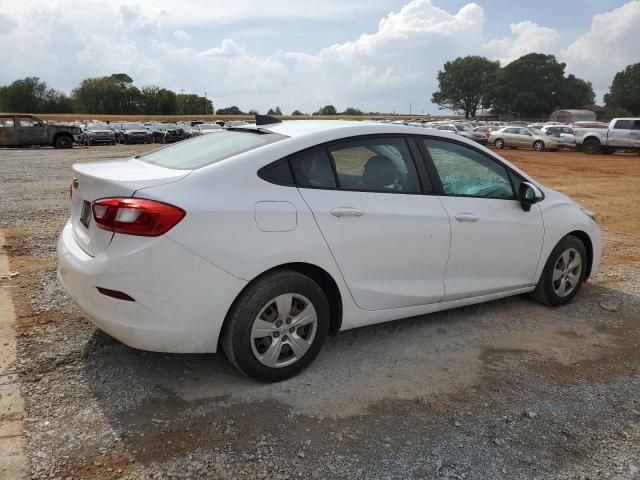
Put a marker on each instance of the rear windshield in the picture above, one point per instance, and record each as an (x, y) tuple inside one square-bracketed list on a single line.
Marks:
[(208, 149)]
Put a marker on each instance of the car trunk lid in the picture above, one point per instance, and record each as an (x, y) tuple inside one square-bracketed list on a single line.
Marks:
[(109, 179)]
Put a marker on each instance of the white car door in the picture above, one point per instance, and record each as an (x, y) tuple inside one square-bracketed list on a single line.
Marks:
[(495, 244), (389, 238), (620, 134)]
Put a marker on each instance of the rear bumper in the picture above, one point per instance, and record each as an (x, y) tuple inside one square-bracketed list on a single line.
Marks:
[(180, 302)]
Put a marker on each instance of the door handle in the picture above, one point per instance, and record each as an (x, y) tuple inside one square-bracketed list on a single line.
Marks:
[(467, 217), (347, 212)]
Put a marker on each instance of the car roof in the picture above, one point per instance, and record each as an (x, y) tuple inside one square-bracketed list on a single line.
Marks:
[(299, 128)]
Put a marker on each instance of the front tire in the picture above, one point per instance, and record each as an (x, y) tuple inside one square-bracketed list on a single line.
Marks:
[(538, 146), (499, 143), (277, 326), (563, 274)]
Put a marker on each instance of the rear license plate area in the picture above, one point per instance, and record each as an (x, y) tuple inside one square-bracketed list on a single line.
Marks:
[(85, 215)]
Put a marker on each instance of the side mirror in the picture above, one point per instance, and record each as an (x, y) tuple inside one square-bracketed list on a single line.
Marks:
[(528, 194)]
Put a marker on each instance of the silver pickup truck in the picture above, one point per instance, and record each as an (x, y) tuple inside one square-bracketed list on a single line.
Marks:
[(23, 130), (621, 134)]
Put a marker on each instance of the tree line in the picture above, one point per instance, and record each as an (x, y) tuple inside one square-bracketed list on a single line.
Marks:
[(117, 95), (532, 86), (113, 94)]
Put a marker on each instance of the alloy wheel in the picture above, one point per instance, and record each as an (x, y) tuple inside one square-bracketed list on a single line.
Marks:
[(566, 272), (284, 330)]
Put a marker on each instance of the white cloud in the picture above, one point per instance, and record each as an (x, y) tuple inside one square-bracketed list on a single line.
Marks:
[(7, 24), (228, 48), (528, 37), (181, 36), (609, 46), (154, 42)]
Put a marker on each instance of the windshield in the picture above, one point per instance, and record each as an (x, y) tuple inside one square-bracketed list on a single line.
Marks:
[(537, 131), (133, 126), (208, 149), (98, 126), (169, 126), (463, 128)]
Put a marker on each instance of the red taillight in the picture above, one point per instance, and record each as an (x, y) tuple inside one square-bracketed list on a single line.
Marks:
[(136, 216)]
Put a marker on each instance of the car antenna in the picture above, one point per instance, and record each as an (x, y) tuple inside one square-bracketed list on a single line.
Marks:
[(266, 120)]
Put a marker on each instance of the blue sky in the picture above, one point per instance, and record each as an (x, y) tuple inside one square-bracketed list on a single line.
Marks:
[(373, 54)]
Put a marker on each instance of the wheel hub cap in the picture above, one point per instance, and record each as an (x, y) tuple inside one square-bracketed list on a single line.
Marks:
[(284, 330)]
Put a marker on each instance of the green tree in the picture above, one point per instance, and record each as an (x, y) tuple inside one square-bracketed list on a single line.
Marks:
[(191, 104), (625, 90), (157, 101), (534, 85), (233, 110), (297, 113), (113, 94), (574, 93), (253, 111), (32, 95), (352, 111), (327, 110), (463, 84)]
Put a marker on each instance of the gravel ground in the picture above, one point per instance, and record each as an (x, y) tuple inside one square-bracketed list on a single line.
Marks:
[(504, 390)]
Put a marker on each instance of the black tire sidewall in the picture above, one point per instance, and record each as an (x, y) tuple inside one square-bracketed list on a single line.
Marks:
[(63, 141), (591, 146), (546, 281), (237, 332)]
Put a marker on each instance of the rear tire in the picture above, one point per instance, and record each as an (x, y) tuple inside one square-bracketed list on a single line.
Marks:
[(563, 274), (591, 146), (273, 357), (63, 141), (499, 143), (538, 146)]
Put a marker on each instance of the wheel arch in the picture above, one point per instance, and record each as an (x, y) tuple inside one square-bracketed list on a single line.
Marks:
[(591, 137), (588, 245), (319, 275)]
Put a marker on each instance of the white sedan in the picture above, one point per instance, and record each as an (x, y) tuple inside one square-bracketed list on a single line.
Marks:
[(264, 239)]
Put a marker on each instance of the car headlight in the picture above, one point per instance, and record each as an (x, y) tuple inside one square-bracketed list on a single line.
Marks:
[(590, 214)]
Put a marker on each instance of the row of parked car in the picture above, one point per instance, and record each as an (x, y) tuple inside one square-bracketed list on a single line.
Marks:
[(591, 137), (95, 132)]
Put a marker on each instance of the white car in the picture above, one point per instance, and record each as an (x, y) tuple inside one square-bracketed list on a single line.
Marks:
[(204, 129), (564, 134), (264, 239)]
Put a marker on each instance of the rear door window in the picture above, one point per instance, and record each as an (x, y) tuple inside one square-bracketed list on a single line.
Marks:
[(312, 169), (375, 164)]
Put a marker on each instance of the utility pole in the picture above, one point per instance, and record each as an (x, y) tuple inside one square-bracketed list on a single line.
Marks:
[(182, 91), (206, 105), (409, 108)]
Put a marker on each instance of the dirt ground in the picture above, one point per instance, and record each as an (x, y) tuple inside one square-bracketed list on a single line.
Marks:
[(504, 390)]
